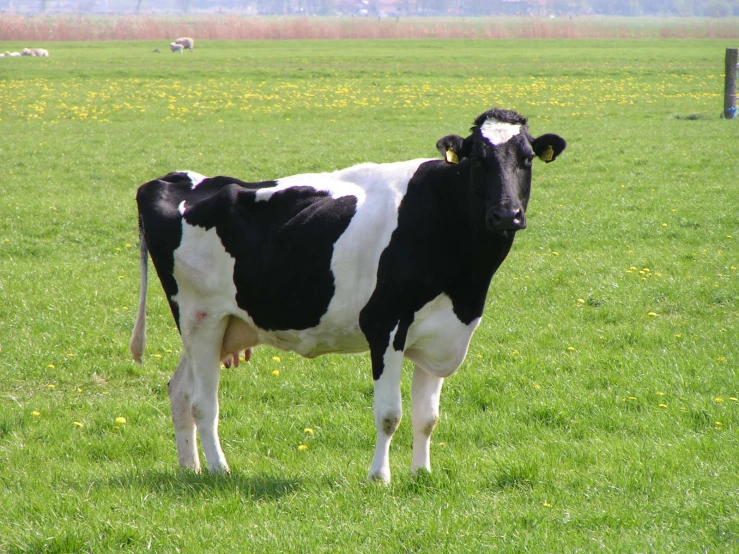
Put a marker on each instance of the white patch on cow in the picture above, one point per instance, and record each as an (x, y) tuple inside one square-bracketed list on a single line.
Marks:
[(181, 208), (324, 182), (437, 340), (204, 273), (497, 132), (195, 178)]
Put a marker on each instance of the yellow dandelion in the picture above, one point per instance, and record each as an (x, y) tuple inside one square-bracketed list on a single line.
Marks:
[(275, 372), (303, 447), (51, 386), (652, 314), (275, 358), (580, 301), (733, 398), (571, 348), (718, 399), (80, 389), (515, 353), (51, 366), (309, 431), (35, 413), (547, 504), (663, 405), (120, 420), (77, 424)]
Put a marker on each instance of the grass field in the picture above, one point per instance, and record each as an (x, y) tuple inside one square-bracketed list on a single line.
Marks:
[(597, 409)]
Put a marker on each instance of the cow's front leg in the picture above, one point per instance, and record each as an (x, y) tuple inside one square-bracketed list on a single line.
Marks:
[(388, 411), (179, 389), (425, 394)]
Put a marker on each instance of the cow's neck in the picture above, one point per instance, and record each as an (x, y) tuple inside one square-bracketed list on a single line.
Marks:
[(480, 251)]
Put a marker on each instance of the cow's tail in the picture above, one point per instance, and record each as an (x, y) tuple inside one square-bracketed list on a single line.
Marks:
[(138, 337)]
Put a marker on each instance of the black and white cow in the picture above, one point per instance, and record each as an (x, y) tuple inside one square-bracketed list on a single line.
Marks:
[(393, 258)]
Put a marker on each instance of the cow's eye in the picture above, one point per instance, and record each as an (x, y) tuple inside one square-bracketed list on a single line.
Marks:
[(528, 160)]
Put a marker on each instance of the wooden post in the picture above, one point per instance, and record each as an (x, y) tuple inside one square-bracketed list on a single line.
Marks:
[(730, 84)]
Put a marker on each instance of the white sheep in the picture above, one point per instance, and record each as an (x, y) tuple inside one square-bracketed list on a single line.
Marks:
[(176, 47), (41, 52), (186, 42), (11, 55)]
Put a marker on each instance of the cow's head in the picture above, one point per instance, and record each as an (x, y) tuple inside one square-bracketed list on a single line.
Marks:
[(501, 152)]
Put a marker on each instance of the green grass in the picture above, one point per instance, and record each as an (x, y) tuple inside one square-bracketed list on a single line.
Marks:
[(597, 409)]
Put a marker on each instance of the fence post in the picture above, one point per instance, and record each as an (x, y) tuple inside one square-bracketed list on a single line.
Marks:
[(730, 84)]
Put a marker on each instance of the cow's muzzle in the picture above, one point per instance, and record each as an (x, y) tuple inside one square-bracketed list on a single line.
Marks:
[(506, 219)]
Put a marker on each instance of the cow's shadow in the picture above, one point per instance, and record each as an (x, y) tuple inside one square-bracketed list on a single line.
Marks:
[(187, 483)]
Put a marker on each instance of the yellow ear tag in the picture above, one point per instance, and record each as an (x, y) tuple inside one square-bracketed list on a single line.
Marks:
[(451, 157), (548, 155)]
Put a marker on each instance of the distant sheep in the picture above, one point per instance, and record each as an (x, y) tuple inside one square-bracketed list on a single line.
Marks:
[(176, 47), (186, 42), (11, 55), (41, 52)]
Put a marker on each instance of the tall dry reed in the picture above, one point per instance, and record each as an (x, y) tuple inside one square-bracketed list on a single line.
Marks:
[(229, 27)]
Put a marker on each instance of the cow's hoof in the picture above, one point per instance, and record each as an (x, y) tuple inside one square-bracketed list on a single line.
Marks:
[(421, 472), (219, 470), (380, 477)]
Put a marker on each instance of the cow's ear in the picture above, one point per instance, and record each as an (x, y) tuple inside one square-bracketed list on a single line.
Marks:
[(548, 147), (453, 148)]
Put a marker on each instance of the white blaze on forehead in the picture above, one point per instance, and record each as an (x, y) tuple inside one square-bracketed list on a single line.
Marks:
[(497, 132)]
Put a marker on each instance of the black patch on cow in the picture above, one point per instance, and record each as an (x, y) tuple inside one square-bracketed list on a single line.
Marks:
[(440, 245), (283, 249)]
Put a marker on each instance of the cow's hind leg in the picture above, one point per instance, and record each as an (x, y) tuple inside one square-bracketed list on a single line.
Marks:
[(203, 347), (425, 393), (179, 389), (388, 412)]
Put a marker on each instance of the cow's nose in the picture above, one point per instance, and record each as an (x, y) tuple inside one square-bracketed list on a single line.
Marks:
[(507, 219)]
